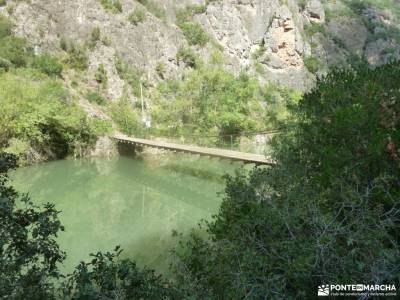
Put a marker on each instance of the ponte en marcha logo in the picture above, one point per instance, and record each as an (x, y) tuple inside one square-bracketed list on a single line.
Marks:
[(357, 290)]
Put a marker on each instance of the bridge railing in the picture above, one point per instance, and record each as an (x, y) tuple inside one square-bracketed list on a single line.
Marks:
[(257, 142)]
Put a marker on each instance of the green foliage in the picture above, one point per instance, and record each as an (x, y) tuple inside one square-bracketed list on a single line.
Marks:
[(29, 252), (185, 14), (15, 50), (3, 3), (194, 33), (160, 69), (5, 27), (94, 97), (327, 212), (154, 9), (101, 76), (77, 56), (40, 112), (113, 6), (48, 65), (95, 36), (129, 74), (137, 16), (106, 274), (101, 127), (314, 28), (189, 57), (312, 63), (209, 100), (5, 65), (125, 117)]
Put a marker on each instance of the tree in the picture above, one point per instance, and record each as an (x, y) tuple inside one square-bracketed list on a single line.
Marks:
[(29, 253), (327, 213)]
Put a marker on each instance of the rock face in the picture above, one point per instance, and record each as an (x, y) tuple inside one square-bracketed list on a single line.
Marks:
[(271, 39)]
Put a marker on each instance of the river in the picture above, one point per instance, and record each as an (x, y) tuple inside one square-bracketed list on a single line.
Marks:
[(133, 202)]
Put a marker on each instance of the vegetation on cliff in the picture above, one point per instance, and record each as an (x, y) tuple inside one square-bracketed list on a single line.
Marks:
[(38, 118), (327, 212)]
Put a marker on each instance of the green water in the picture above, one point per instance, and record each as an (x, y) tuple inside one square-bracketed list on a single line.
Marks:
[(135, 203)]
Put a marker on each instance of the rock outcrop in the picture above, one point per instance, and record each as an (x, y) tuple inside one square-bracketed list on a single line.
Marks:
[(271, 39)]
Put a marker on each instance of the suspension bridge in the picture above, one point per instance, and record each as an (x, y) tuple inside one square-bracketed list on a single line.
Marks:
[(247, 158)]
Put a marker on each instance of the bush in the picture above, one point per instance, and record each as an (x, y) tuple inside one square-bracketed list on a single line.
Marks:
[(95, 36), (77, 56), (113, 6), (107, 275), (94, 97), (15, 50), (5, 27), (312, 64), (39, 111), (129, 74), (29, 252), (327, 212), (194, 33), (154, 9), (5, 65), (209, 100), (48, 65), (160, 69), (101, 75), (189, 57), (185, 14), (137, 16), (125, 117)]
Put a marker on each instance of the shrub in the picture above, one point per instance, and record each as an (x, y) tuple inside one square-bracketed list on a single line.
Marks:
[(101, 75), (96, 98), (38, 111), (129, 74), (137, 16), (185, 14), (5, 27), (327, 212), (48, 65), (5, 65), (107, 275), (312, 63), (160, 69), (113, 6), (189, 57), (125, 117), (95, 36), (16, 51), (154, 9), (29, 252), (77, 56), (194, 33), (209, 100)]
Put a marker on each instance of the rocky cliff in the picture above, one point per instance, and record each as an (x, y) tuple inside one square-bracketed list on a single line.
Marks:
[(284, 41)]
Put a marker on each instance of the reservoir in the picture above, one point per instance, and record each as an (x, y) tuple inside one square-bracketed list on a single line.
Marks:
[(136, 203)]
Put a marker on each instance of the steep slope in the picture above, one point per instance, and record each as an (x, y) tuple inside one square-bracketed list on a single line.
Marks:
[(275, 40)]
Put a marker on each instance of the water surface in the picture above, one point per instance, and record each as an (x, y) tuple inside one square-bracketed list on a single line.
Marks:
[(135, 203)]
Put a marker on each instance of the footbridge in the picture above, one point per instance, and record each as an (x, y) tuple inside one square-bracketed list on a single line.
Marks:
[(247, 158)]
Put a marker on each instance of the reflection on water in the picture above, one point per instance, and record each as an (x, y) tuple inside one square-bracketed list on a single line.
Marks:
[(135, 203)]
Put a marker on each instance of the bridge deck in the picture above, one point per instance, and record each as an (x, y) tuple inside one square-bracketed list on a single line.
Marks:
[(213, 152)]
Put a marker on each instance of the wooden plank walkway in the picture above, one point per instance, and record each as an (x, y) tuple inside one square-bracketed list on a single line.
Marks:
[(212, 152)]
